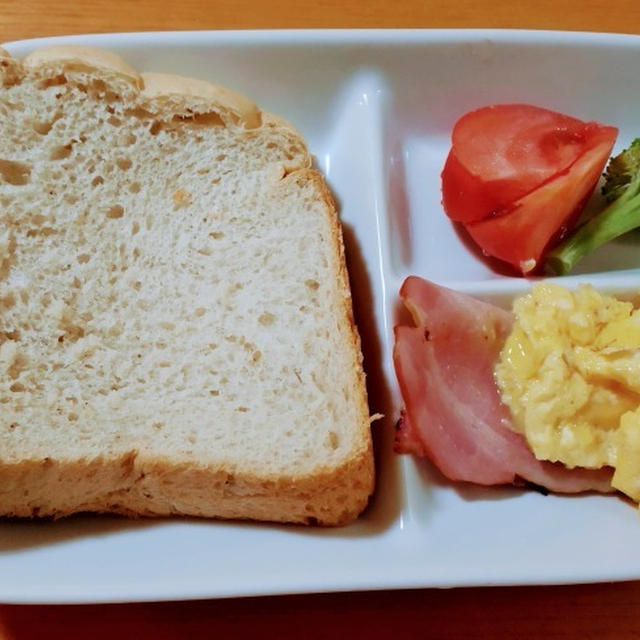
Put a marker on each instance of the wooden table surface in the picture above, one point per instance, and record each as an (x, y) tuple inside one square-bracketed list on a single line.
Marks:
[(589, 611)]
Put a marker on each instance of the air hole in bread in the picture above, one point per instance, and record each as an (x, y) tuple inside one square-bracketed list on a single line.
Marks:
[(115, 211), (210, 119), (11, 335), (56, 81), (17, 366), (181, 198), (7, 302), (314, 285), (140, 113), (16, 173), (17, 387), (97, 180), (221, 157), (61, 152), (98, 86), (134, 187), (114, 121), (128, 139), (266, 319), (124, 163), (155, 127), (135, 227), (83, 258), (42, 128)]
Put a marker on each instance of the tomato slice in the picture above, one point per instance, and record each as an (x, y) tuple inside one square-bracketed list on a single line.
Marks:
[(521, 235), (502, 152)]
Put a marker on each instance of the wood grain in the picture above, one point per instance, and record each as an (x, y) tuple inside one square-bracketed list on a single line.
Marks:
[(31, 18), (603, 611)]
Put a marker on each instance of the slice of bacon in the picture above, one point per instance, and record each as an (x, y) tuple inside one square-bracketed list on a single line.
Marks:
[(453, 412)]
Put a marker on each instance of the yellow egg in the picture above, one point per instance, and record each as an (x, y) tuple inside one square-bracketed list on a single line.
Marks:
[(626, 477), (570, 374)]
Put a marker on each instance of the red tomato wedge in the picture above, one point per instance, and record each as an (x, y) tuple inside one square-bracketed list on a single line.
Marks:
[(503, 152), (521, 235), (501, 158)]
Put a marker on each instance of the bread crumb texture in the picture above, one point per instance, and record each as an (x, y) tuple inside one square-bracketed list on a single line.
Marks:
[(176, 332)]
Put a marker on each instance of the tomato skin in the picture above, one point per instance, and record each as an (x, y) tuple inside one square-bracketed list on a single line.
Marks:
[(517, 142), (522, 234), (518, 176), (467, 199)]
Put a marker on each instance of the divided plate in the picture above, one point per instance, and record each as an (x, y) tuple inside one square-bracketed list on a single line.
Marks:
[(377, 109)]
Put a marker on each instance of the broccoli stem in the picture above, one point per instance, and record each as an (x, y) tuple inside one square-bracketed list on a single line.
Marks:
[(620, 216)]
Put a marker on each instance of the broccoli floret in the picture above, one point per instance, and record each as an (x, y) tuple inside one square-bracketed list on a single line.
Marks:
[(622, 191), (621, 170)]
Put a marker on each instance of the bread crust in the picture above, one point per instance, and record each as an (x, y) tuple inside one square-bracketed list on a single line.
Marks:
[(137, 484), (178, 93), (74, 57)]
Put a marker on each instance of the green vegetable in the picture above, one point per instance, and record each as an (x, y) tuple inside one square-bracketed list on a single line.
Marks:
[(622, 191)]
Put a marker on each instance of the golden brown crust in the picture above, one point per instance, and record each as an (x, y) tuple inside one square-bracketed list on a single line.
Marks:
[(74, 57), (138, 485), (162, 487), (179, 92)]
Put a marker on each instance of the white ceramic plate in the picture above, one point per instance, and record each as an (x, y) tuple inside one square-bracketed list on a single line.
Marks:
[(377, 108)]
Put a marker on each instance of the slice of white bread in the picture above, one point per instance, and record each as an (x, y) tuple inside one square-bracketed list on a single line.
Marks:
[(176, 326)]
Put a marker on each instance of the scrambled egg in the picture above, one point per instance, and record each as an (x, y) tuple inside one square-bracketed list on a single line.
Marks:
[(570, 374)]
